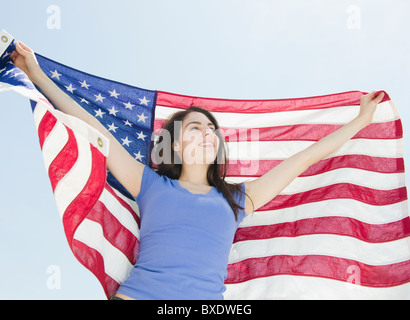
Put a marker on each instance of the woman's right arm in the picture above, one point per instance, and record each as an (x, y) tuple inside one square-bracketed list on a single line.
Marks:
[(121, 164)]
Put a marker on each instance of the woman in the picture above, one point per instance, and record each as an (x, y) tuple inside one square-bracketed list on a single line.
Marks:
[(189, 213)]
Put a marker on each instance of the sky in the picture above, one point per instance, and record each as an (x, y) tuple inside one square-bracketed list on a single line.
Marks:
[(234, 49)]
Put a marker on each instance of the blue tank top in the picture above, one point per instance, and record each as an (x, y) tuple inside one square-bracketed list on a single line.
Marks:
[(184, 244)]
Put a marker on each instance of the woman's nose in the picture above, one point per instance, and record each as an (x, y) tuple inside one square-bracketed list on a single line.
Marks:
[(207, 131)]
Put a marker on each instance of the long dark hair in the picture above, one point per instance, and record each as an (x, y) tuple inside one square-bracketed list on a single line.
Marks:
[(217, 170)]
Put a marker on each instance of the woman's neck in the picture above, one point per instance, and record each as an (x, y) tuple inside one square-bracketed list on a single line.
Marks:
[(194, 174)]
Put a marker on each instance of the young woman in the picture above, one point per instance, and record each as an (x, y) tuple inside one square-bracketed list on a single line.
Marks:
[(189, 213)]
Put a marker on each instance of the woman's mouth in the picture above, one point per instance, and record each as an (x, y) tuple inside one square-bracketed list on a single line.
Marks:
[(206, 145)]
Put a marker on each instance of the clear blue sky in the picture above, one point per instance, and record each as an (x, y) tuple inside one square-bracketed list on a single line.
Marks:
[(249, 49)]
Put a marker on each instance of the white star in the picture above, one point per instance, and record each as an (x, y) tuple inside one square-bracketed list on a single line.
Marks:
[(114, 94), (139, 156), (84, 84), (126, 141), (144, 101), (70, 88), (127, 123), (99, 97), (112, 127), (128, 105), (113, 111), (142, 118), (55, 74), (99, 113), (1, 71), (7, 73), (141, 136), (85, 101), (16, 74)]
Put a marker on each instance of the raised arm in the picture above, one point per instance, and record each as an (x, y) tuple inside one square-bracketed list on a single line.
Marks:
[(122, 165), (268, 186)]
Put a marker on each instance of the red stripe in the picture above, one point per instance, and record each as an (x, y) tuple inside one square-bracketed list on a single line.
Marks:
[(311, 132), (338, 191), (171, 100), (328, 225), (64, 161), (124, 204), (77, 211), (319, 266), (303, 132), (257, 168), (47, 124), (114, 232), (93, 261)]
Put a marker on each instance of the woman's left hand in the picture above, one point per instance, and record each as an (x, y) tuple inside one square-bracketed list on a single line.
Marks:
[(368, 105)]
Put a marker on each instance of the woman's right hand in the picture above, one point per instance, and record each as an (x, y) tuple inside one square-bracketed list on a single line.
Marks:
[(24, 59)]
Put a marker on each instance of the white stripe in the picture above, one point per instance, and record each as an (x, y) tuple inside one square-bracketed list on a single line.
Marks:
[(348, 208), (54, 143), (368, 179), (38, 113), (92, 135), (75, 180), (310, 288), (338, 115), (326, 245), (116, 264), (278, 150), (119, 212)]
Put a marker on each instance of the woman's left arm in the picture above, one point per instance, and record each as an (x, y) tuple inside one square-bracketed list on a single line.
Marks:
[(265, 188)]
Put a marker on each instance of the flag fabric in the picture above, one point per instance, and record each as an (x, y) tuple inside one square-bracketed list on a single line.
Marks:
[(340, 230)]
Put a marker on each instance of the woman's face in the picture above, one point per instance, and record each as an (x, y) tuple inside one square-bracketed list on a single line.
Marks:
[(197, 142)]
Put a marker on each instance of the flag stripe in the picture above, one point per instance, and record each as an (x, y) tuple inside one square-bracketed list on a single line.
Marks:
[(342, 190), (368, 179), (46, 125), (328, 225), (356, 161), (320, 266), (305, 132), (348, 208), (54, 143), (88, 195), (280, 150), (65, 159), (337, 115), (324, 245), (309, 287), (262, 106)]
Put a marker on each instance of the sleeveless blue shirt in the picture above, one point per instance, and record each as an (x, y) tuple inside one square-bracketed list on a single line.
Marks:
[(185, 241)]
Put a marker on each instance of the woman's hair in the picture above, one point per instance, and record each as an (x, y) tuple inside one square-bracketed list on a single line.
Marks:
[(172, 169)]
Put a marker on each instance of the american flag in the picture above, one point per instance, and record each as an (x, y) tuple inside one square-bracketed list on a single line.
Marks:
[(340, 230)]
